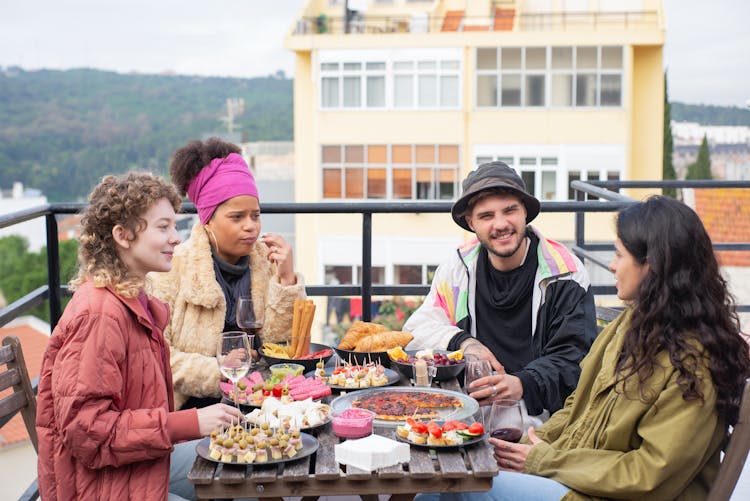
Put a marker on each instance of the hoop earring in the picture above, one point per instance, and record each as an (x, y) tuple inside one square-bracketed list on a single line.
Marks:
[(211, 233)]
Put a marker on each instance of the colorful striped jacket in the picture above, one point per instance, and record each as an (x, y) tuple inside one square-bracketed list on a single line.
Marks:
[(563, 318)]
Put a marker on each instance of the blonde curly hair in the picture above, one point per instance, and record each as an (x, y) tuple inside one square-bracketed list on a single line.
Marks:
[(117, 200)]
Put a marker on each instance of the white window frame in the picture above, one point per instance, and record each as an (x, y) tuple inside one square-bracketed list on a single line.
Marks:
[(500, 73), (601, 160), (440, 58)]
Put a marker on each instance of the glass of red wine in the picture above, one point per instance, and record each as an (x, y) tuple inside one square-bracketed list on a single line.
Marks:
[(250, 321), (506, 420)]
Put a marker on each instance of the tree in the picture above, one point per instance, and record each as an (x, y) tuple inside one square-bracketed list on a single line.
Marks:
[(701, 168), (24, 271), (667, 169)]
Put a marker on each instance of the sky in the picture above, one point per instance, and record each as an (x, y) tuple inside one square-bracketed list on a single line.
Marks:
[(706, 50)]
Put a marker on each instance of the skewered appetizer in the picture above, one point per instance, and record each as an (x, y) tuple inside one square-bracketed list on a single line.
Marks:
[(358, 376), (239, 444)]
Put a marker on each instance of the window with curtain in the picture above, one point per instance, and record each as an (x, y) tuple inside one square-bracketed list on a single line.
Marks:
[(399, 172)]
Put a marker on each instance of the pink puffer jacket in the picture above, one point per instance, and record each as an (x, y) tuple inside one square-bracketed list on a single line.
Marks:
[(104, 418)]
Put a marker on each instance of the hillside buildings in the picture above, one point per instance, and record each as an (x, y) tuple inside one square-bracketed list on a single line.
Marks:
[(729, 147), (398, 100)]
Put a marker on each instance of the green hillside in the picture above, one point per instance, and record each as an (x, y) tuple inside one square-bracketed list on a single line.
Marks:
[(710, 115), (61, 131)]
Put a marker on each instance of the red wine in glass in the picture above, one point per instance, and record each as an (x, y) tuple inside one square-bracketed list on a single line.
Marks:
[(508, 434)]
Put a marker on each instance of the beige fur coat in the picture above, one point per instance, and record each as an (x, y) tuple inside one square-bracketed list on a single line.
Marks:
[(198, 309)]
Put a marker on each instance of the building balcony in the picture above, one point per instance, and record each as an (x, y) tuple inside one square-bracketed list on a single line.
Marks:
[(458, 21)]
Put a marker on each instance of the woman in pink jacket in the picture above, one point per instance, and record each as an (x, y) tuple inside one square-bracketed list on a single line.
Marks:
[(105, 418)]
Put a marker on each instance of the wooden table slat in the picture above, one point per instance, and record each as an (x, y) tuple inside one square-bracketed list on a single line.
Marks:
[(421, 464), (232, 474), (481, 460), (202, 472), (296, 471), (263, 473), (452, 464), (326, 467)]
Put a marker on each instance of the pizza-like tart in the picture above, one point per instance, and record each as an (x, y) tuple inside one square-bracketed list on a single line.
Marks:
[(399, 405)]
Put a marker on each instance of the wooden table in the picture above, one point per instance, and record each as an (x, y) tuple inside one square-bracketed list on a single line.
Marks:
[(453, 470)]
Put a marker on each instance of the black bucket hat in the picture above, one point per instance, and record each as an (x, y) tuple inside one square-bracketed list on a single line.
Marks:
[(493, 175)]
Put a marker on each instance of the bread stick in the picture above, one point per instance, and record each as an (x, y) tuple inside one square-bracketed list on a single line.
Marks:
[(298, 303)]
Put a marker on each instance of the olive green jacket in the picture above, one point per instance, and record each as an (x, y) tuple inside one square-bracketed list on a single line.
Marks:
[(604, 444)]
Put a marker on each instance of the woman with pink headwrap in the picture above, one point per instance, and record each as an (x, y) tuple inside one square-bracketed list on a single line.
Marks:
[(223, 259)]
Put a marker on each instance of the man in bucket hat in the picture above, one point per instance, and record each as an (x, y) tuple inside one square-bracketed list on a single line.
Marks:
[(510, 296)]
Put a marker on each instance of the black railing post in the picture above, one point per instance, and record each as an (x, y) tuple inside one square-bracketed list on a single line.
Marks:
[(367, 266), (53, 270), (580, 224)]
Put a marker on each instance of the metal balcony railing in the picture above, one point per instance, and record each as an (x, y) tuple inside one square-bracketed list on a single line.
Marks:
[(358, 23), (609, 201)]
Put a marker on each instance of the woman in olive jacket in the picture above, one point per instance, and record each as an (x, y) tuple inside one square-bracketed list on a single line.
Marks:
[(659, 386)]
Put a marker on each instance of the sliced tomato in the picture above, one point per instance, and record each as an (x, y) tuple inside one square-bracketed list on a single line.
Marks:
[(410, 422), (434, 429), (419, 427), (460, 425), (476, 428), (450, 425)]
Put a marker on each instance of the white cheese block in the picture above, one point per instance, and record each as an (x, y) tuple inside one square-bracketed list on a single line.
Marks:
[(372, 452)]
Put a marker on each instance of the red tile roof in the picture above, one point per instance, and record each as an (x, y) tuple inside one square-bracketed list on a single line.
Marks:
[(33, 344), (726, 214)]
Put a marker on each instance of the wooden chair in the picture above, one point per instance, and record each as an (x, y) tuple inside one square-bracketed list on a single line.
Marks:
[(735, 453), (22, 399)]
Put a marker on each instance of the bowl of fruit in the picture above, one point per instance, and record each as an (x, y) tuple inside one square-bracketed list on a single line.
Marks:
[(449, 364)]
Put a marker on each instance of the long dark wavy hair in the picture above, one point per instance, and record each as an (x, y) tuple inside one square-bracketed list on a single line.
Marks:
[(682, 305)]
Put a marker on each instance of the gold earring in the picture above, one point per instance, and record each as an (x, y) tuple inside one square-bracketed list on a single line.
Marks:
[(211, 233)]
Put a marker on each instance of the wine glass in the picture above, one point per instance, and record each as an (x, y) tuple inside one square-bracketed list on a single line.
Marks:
[(233, 356), (247, 319), (475, 369), (506, 420)]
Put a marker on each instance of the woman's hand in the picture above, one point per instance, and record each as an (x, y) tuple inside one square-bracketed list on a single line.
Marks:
[(281, 254), (510, 456), (216, 417)]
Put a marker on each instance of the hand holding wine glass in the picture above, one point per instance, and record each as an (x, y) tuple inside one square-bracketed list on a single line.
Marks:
[(233, 356), (475, 369), (248, 320), (506, 420)]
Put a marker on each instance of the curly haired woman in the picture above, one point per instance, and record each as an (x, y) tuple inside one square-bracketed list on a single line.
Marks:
[(223, 259), (660, 385), (105, 415)]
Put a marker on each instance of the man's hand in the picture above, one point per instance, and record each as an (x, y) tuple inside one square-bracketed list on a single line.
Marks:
[(473, 349), (496, 387)]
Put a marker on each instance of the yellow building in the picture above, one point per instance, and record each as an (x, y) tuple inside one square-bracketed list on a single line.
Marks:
[(397, 100)]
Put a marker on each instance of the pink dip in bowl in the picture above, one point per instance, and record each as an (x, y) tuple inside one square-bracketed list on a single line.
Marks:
[(353, 423)]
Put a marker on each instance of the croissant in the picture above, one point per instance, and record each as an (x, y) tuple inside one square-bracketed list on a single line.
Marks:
[(357, 331), (384, 341)]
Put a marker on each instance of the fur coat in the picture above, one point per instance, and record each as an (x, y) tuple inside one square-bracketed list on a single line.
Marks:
[(198, 310)]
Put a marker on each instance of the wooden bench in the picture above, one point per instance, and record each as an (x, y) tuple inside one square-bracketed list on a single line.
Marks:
[(22, 399)]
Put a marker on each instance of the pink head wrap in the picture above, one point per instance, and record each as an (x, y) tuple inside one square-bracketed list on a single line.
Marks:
[(217, 182)]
